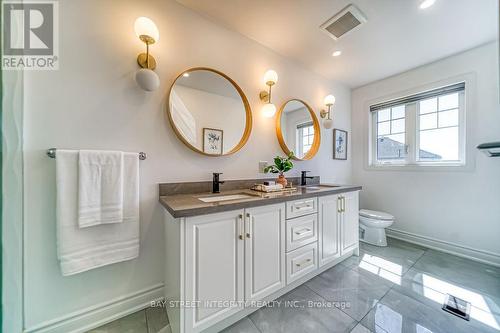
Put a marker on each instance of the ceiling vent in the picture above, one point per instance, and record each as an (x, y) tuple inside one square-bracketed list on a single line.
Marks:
[(344, 21)]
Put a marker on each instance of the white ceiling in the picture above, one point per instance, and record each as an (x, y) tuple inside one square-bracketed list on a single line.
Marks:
[(398, 35)]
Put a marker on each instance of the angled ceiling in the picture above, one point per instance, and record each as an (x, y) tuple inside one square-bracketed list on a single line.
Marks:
[(397, 37)]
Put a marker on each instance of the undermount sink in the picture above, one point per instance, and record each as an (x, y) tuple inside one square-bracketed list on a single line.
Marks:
[(319, 187), (226, 197)]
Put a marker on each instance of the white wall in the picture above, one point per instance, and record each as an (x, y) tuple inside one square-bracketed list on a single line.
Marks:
[(458, 207), (92, 101)]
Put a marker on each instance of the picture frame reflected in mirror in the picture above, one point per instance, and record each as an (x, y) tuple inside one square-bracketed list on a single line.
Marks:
[(213, 141)]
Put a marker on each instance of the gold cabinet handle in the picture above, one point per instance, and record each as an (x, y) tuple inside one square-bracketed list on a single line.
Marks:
[(248, 224), (240, 227), (304, 262), (339, 204)]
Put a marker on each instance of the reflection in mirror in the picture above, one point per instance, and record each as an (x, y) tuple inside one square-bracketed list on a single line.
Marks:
[(209, 112), (298, 128)]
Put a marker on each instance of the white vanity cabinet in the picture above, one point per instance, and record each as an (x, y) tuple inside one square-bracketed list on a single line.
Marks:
[(338, 226), (214, 263), (349, 224), (264, 251), (218, 264), (329, 216), (232, 257)]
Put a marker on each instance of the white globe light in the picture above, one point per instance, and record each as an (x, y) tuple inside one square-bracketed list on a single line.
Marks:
[(426, 4), (268, 110), (146, 27), (329, 100), (147, 79), (328, 123), (270, 76)]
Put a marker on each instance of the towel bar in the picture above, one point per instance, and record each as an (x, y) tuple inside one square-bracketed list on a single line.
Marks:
[(52, 154)]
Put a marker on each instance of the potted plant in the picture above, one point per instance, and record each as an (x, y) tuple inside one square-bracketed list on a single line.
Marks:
[(281, 165)]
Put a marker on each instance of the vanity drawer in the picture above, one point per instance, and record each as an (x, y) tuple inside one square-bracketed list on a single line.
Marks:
[(301, 231), (301, 261), (301, 207)]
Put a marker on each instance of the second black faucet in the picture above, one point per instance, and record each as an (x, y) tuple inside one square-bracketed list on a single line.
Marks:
[(304, 178), (216, 182)]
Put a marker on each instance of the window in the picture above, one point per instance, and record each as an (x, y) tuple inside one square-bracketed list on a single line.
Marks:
[(423, 129), (391, 134), (305, 138), (438, 128)]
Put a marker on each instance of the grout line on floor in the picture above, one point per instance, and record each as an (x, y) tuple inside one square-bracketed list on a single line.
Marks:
[(147, 322), (253, 323), (392, 285), (328, 300)]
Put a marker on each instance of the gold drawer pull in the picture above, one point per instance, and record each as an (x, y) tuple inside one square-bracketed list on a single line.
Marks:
[(240, 227)]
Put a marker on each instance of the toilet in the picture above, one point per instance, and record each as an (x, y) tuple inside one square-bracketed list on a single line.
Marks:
[(372, 226)]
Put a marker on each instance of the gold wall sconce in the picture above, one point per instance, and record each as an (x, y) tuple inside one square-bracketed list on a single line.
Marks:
[(269, 109), (328, 122), (148, 33)]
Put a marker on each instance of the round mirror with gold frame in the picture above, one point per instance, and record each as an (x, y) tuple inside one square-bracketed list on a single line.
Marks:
[(298, 130), (209, 112)]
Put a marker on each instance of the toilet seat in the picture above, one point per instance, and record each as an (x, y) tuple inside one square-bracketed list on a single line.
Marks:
[(375, 223), (375, 215)]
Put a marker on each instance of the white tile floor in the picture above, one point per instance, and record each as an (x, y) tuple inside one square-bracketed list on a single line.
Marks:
[(396, 289)]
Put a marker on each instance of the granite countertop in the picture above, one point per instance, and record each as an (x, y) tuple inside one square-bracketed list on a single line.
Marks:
[(189, 204)]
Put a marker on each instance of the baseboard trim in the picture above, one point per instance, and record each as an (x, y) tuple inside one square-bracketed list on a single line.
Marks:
[(100, 314), (448, 247)]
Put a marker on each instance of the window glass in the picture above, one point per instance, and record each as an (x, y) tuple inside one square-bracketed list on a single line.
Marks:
[(305, 136), (384, 115), (448, 118), (428, 105), (439, 145), (428, 121), (398, 126), (398, 112), (447, 102), (384, 128), (391, 137), (439, 131)]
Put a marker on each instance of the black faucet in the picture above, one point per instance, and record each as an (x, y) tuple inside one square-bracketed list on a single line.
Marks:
[(216, 182), (304, 178)]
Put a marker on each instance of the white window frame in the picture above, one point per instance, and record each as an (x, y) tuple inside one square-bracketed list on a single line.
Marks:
[(411, 127)]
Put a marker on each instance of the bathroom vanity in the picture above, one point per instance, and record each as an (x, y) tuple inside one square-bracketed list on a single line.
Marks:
[(227, 253)]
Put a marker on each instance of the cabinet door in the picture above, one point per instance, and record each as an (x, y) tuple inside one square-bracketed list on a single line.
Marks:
[(264, 250), (329, 229), (214, 267), (350, 221)]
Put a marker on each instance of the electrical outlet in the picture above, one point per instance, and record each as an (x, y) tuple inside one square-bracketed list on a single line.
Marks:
[(262, 166)]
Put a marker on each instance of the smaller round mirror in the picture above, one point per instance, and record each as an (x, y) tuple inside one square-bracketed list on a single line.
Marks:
[(298, 129)]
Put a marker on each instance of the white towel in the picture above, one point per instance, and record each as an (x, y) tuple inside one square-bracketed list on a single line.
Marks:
[(78, 249), (100, 187)]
